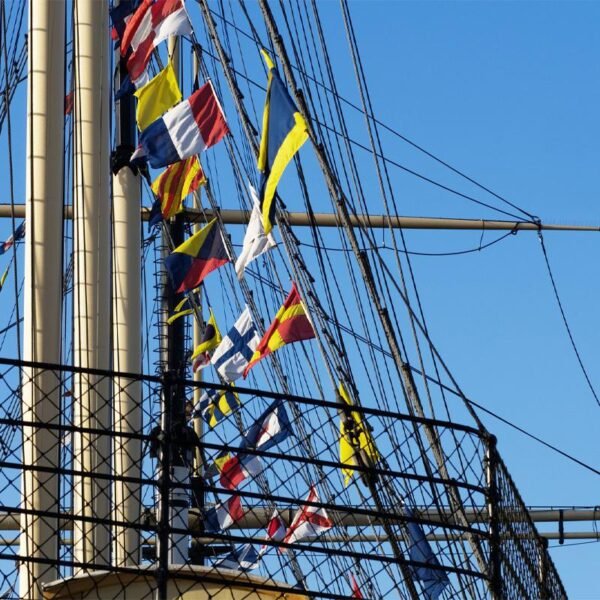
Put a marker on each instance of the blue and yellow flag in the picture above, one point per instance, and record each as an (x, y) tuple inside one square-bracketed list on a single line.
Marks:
[(284, 130), (198, 256), (155, 98), (216, 405)]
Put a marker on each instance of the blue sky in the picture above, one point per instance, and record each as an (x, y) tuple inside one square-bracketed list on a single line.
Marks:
[(508, 92)]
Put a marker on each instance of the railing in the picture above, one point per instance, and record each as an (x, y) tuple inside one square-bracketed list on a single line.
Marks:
[(395, 526), (526, 569)]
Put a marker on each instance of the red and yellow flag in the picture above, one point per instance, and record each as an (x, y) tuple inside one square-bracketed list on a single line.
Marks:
[(291, 324), (176, 182)]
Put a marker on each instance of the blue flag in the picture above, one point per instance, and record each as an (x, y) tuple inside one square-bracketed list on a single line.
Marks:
[(433, 580), (244, 558), (126, 89), (156, 215), (119, 16), (271, 428)]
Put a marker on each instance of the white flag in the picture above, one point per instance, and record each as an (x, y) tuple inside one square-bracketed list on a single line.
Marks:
[(255, 240), (235, 351)]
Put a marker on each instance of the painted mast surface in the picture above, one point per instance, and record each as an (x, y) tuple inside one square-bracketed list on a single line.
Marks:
[(91, 279), (127, 328), (43, 289)]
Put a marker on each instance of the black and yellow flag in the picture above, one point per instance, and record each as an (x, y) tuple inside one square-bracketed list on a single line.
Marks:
[(355, 437), (211, 337), (179, 311)]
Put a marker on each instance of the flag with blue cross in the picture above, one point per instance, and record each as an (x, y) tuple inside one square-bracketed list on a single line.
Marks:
[(235, 351)]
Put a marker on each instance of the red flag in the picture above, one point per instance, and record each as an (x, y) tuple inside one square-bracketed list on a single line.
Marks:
[(356, 593), (291, 324), (276, 530), (238, 468), (150, 24), (69, 103)]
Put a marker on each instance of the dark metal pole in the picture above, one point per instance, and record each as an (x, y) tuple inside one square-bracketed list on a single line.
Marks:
[(495, 566)]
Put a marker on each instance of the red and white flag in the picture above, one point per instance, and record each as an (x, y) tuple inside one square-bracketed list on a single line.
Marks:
[(356, 593), (276, 530), (238, 468), (201, 362), (309, 522), (151, 23)]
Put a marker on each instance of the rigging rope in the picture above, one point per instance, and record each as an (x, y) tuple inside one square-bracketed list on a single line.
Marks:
[(256, 39), (564, 318)]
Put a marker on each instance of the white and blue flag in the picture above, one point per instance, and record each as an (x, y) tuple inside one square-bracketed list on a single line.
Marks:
[(271, 428), (235, 351), (244, 558)]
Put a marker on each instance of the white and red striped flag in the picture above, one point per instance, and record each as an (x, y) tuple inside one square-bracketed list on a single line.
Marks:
[(151, 23), (309, 522), (276, 530)]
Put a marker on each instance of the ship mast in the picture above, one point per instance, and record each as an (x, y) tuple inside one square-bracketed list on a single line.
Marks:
[(43, 291), (175, 467), (127, 328), (91, 280)]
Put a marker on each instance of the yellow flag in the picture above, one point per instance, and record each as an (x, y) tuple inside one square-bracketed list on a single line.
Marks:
[(354, 436), (157, 97), (211, 337), (4, 276), (179, 311)]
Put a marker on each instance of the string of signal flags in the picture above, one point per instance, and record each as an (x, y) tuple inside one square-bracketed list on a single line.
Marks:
[(173, 132)]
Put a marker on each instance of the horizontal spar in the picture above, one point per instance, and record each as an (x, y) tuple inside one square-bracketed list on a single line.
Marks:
[(257, 517), (549, 535), (299, 219)]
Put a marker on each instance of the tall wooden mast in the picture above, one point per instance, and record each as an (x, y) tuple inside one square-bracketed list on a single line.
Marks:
[(43, 290), (91, 283), (127, 328)]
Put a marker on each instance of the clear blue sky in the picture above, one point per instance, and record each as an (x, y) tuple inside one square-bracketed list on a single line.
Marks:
[(509, 93)]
